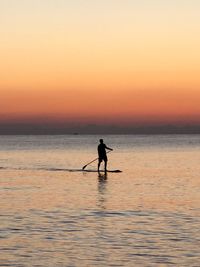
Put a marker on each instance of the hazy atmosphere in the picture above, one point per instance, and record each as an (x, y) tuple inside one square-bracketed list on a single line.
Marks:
[(67, 65), (99, 133)]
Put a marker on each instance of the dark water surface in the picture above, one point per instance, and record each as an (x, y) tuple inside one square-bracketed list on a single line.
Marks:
[(148, 215)]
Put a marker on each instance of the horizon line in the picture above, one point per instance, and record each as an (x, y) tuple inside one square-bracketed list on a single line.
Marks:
[(49, 129)]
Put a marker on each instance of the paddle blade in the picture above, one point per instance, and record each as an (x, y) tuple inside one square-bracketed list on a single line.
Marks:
[(84, 167)]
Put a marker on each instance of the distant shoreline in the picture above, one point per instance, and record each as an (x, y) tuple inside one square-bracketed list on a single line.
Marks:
[(82, 134), (92, 129)]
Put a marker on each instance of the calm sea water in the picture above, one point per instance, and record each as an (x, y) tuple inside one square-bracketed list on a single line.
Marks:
[(148, 215)]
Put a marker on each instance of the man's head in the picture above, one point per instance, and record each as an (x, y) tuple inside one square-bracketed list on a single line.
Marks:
[(101, 141)]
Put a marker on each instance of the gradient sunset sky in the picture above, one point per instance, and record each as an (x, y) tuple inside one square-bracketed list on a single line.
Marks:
[(100, 61)]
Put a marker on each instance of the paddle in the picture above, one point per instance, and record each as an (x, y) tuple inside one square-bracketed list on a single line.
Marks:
[(93, 161)]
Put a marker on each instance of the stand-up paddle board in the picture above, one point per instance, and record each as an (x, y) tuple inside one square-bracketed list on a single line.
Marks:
[(81, 170)]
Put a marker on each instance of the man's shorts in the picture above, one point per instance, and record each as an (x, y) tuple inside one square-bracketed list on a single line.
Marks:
[(104, 158)]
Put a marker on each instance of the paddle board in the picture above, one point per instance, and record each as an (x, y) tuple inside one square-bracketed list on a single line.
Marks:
[(81, 170)]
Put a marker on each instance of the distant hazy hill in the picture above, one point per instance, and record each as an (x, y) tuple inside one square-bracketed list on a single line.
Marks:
[(36, 128)]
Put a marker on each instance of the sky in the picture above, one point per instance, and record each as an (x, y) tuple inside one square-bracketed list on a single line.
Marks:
[(117, 62)]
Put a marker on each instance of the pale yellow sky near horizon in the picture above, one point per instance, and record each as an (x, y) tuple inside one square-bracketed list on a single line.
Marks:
[(132, 59)]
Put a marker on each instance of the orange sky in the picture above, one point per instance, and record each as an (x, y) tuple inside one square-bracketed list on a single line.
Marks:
[(100, 61), (97, 106)]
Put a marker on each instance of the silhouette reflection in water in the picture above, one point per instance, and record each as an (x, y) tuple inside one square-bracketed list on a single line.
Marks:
[(102, 189)]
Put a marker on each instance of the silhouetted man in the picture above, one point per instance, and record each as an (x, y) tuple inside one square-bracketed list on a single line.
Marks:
[(102, 154)]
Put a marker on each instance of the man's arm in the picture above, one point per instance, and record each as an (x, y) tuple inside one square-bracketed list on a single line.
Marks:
[(108, 148)]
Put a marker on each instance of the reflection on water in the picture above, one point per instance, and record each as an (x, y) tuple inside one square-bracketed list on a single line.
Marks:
[(148, 215), (102, 178)]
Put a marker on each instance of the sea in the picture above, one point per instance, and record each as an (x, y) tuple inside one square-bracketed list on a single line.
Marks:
[(54, 214)]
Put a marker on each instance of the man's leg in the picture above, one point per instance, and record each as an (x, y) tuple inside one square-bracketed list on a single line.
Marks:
[(99, 163), (105, 165)]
